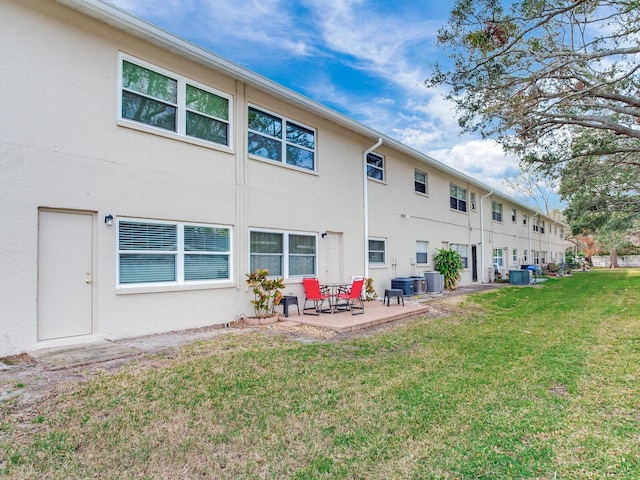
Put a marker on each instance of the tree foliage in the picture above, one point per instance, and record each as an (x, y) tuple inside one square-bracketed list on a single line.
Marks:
[(557, 82), (524, 74)]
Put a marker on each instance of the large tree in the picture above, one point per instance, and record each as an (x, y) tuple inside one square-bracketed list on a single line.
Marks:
[(558, 83), (526, 72)]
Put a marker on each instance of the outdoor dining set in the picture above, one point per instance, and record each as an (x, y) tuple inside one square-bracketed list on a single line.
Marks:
[(333, 297)]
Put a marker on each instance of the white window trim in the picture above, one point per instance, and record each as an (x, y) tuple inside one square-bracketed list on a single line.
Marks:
[(285, 253), (427, 252), (426, 182), (497, 212), (455, 246), (472, 201), (180, 133), (466, 195), (180, 283), (377, 264), (499, 257), (514, 215), (383, 169), (284, 142)]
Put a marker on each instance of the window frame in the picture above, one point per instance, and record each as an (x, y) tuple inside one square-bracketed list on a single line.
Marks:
[(496, 211), (180, 254), (417, 171), (286, 253), (459, 247), (384, 251), (514, 215), (371, 167), (498, 257), (459, 201), (514, 256), (180, 131), (283, 140), (472, 201), (426, 252)]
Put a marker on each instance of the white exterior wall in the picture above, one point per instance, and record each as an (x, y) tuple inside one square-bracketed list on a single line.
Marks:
[(62, 148)]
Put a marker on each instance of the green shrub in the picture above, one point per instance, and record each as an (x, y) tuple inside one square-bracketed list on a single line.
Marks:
[(449, 263)]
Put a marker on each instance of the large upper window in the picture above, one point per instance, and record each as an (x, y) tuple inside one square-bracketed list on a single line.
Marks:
[(281, 140), (284, 254), (172, 252), (496, 211), (457, 198), (375, 166), (161, 99), (420, 181), (377, 251)]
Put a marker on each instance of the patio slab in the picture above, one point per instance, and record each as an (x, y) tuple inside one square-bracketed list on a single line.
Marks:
[(375, 313)]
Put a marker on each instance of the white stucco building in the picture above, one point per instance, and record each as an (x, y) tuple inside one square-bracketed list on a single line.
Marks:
[(143, 177)]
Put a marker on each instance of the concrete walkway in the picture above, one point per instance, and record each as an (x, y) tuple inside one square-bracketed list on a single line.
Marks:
[(82, 354)]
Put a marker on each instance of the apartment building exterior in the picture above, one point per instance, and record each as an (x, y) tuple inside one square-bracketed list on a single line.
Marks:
[(143, 177)]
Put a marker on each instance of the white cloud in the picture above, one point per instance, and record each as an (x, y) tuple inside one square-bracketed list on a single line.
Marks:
[(481, 159)]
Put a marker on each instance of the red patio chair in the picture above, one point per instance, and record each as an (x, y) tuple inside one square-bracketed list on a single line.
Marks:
[(315, 294), (352, 295)]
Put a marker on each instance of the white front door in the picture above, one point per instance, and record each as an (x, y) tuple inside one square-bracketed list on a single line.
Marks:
[(334, 258), (64, 274)]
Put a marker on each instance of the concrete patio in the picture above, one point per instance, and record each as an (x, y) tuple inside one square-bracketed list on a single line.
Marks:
[(375, 313)]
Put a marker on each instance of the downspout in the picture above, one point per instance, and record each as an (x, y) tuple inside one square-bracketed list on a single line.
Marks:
[(482, 235), (530, 226), (365, 204)]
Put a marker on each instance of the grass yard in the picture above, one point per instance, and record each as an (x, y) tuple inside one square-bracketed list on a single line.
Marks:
[(517, 383)]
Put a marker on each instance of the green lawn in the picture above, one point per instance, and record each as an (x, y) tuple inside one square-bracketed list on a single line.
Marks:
[(517, 383)]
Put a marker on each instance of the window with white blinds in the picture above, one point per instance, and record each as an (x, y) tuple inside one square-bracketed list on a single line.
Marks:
[(284, 254), (152, 252)]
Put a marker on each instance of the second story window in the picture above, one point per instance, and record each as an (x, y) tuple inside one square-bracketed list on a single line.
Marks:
[(472, 201), (164, 101), (375, 166), (514, 217), (281, 140), (457, 198), (420, 181), (496, 211)]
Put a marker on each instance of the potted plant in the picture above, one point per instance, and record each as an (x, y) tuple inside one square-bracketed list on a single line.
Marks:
[(369, 290), (449, 264), (267, 295)]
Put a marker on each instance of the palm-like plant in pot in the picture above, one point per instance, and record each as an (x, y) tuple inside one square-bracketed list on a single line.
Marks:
[(267, 292)]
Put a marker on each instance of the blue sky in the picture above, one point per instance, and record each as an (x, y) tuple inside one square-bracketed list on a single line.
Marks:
[(367, 59)]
